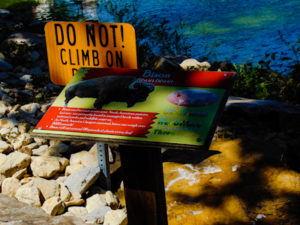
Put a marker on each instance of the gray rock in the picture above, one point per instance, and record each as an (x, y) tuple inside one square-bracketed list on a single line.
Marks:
[(29, 194), (85, 158), (165, 64), (271, 113), (2, 178), (61, 179), (73, 168), (14, 132), (7, 19), (64, 193), (21, 140), (5, 66), (47, 166), (26, 78), (30, 86), (29, 118), (28, 148), (34, 55), (2, 56), (42, 150), (2, 158), (57, 150), (14, 162), (26, 92), (4, 108), (48, 188), (15, 107), (3, 76), (23, 127), (45, 107), (254, 106), (13, 114), (97, 216), (27, 180), (30, 39), (53, 142), (31, 108), (78, 211), (20, 174), (9, 133), (53, 206), (13, 211), (15, 82), (20, 69), (5, 147), (81, 180), (5, 132), (10, 186), (193, 64), (116, 217), (111, 200), (4, 13), (8, 123), (110, 155), (6, 98), (75, 200), (40, 141), (94, 202)]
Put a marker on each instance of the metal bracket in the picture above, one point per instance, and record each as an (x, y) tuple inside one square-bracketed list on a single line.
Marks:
[(103, 162)]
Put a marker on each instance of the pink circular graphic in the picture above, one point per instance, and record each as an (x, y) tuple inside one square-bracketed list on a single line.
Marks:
[(192, 97)]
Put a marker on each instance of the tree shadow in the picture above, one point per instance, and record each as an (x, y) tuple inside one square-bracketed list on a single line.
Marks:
[(193, 157), (264, 188)]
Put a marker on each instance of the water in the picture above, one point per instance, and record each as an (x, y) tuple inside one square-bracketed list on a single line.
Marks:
[(239, 31)]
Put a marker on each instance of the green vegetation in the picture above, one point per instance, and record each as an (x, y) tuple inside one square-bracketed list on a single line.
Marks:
[(260, 82), (23, 10), (7, 4)]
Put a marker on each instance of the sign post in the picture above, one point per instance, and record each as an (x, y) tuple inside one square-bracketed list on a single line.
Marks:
[(144, 185), (143, 111), (103, 162)]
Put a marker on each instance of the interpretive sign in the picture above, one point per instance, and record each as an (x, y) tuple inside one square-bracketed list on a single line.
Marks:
[(129, 106), (71, 45)]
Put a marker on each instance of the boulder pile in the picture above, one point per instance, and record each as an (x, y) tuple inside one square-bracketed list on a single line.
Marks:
[(37, 172), (60, 177)]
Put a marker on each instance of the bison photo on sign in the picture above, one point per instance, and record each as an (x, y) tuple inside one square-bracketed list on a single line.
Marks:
[(108, 89)]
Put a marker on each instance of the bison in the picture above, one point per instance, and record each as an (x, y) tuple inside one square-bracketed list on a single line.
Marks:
[(107, 89)]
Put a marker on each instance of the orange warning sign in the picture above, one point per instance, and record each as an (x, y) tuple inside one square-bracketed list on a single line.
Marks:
[(71, 45)]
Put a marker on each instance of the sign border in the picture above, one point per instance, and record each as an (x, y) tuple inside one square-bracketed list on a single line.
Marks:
[(112, 140)]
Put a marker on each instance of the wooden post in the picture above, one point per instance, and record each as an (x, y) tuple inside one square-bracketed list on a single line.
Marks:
[(144, 185)]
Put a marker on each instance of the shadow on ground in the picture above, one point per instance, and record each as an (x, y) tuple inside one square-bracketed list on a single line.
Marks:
[(251, 177)]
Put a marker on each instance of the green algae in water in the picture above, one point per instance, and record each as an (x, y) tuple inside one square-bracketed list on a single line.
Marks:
[(206, 28), (260, 18)]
